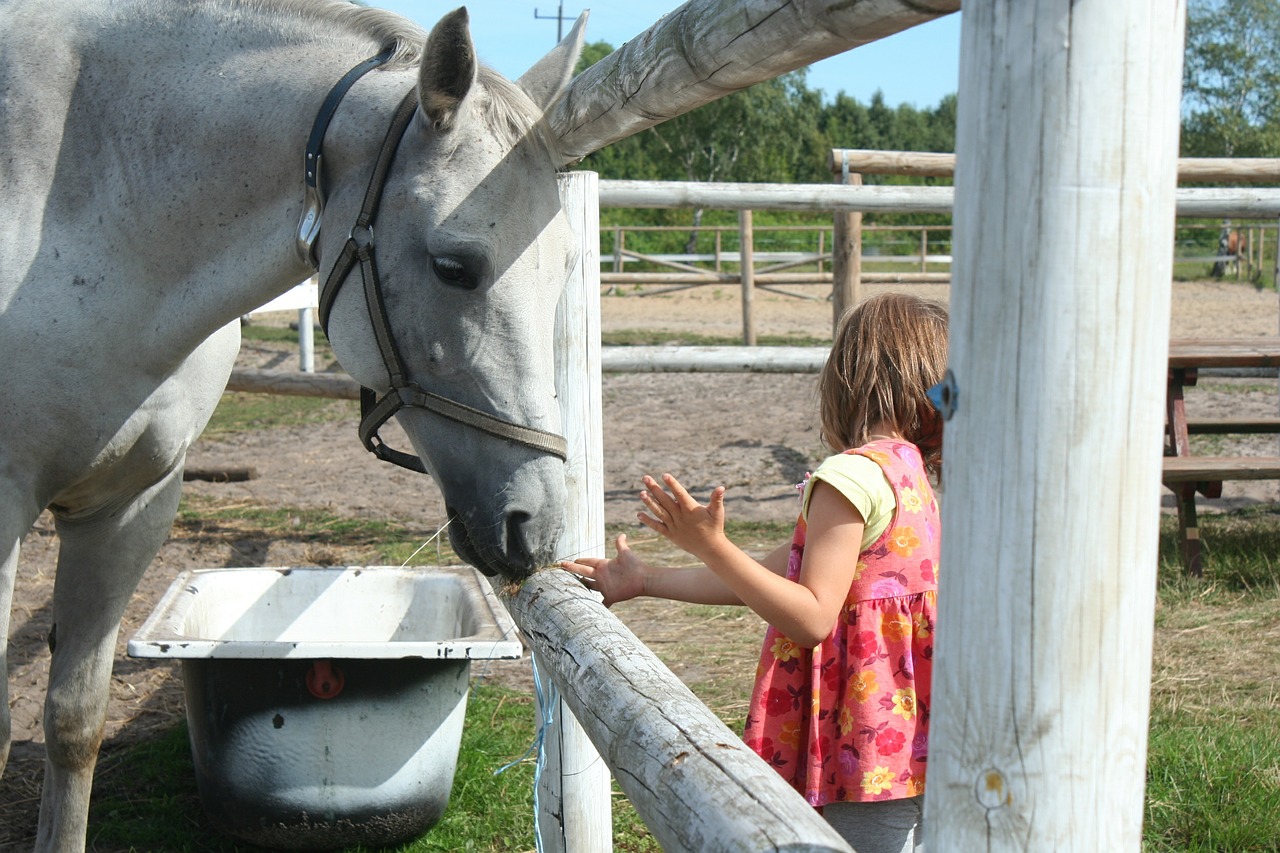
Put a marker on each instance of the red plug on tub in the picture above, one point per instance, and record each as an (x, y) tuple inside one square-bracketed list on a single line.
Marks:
[(324, 679)]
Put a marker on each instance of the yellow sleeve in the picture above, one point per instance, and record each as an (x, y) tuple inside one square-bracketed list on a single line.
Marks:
[(863, 483)]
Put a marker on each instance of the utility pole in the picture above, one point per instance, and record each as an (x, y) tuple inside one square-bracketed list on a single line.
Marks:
[(558, 17)]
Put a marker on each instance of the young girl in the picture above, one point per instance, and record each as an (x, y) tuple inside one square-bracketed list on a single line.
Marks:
[(841, 699)]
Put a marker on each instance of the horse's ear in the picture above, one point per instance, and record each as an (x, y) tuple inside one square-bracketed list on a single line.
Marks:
[(551, 74), (448, 68)]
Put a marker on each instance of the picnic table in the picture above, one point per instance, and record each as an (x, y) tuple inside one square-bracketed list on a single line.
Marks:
[(1186, 474)]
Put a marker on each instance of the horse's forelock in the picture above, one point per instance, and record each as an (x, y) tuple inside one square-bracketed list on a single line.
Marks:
[(509, 111)]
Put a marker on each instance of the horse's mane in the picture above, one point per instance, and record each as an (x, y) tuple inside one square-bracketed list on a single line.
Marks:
[(380, 26), (507, 108)]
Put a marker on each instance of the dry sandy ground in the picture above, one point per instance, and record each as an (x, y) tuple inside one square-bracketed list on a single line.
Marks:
[(755, 434)]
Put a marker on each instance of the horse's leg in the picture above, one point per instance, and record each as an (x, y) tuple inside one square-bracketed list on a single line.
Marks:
[(13, 526), (101, 559), (8, 572)]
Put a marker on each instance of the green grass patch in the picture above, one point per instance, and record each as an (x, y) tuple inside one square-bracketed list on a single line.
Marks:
[(272, 334), (145, 798), (1212, 784), (385, 541), (1213, 765), (242, 412)]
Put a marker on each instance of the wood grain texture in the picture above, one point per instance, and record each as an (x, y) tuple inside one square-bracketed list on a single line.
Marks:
[(693, 781), (1061, 290), (1225, 170), (707, 49)]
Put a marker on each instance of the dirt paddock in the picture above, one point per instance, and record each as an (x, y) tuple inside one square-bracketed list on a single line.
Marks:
[(754, 434)]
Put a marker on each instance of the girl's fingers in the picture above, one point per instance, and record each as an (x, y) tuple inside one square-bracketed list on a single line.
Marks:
[(678, 491), (655, 491), (584, 569), (651, 523), (652, 505)]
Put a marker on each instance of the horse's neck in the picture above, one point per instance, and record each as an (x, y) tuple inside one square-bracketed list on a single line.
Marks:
[(195, 157)]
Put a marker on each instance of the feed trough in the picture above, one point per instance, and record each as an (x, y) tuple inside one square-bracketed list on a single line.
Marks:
[(325, 705)]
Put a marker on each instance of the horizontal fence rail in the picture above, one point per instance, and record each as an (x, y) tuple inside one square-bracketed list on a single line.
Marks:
[(1248, 203), (1226, 170)]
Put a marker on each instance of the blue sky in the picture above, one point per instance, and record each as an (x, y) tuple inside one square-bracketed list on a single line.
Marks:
[(918, 67)]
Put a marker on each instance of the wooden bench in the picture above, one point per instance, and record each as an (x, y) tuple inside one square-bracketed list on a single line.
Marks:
[(1186, 475), (1227, 426), (1202, 470)]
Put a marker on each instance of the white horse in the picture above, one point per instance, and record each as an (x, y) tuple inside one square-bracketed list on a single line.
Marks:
[(153, 189)]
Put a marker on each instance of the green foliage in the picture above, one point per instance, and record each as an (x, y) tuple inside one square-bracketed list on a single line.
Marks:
[(779, 131), (1231, 79), (592, 52)]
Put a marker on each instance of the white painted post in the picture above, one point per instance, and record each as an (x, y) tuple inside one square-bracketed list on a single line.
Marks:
[(306, 340), (575, 814), (1065, 194)]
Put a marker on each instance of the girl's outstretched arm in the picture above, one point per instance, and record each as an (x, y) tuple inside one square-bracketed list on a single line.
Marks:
[(806, 611), (626, 576)]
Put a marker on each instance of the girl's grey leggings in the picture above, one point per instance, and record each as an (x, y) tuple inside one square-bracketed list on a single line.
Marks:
[(884, 826)]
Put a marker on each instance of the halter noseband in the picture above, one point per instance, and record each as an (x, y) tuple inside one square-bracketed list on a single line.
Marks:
[(359, 249)]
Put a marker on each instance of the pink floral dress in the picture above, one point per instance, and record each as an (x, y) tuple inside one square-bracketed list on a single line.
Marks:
[(849, 720)]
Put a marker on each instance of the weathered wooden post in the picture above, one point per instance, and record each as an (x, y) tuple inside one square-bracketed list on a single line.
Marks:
[(1059, 343), (695, 783), (747, 271), (846, 252), (574, 790)]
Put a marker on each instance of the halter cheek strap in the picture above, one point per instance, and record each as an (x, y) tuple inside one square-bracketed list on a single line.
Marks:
[(359, 249), (313, 193)]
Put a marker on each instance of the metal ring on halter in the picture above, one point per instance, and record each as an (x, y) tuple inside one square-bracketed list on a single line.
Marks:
[(367, 228)]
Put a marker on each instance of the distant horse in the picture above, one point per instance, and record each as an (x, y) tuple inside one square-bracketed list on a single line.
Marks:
[(1232, 246), (154, 188)]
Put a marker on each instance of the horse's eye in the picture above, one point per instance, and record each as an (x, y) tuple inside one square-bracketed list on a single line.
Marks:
[(452, 272)]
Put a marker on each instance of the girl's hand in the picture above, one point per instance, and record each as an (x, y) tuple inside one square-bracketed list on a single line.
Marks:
[(688, 524), (619, 579)]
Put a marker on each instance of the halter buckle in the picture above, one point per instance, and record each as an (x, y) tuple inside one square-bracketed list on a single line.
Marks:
[(309, 223)]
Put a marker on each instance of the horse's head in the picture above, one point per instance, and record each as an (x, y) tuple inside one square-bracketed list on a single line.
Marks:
[(472, 251)]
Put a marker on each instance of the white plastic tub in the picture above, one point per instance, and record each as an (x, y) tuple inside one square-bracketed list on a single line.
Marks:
[(325, 705)]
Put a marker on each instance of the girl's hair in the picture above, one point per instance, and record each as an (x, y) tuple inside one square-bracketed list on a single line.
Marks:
[(888, 352)]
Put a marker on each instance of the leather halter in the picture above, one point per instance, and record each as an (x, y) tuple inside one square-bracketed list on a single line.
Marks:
[(359, 249)]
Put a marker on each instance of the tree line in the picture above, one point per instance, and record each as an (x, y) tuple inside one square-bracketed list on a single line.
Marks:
[(781, 131)]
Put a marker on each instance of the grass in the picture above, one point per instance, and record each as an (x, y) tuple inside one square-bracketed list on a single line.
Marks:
[(1213, 774), (334, 539), (1213, 765), (240, 412), (147, 800)]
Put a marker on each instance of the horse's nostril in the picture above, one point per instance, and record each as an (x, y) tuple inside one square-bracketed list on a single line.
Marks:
[(518, 550)]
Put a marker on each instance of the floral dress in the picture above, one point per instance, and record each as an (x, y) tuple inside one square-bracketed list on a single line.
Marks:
[(849, 720)]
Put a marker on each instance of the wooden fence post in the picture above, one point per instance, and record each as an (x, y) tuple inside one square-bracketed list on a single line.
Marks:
[(575, 814), (846, 254), (1059, 346), (697, 786), (747, 270)]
